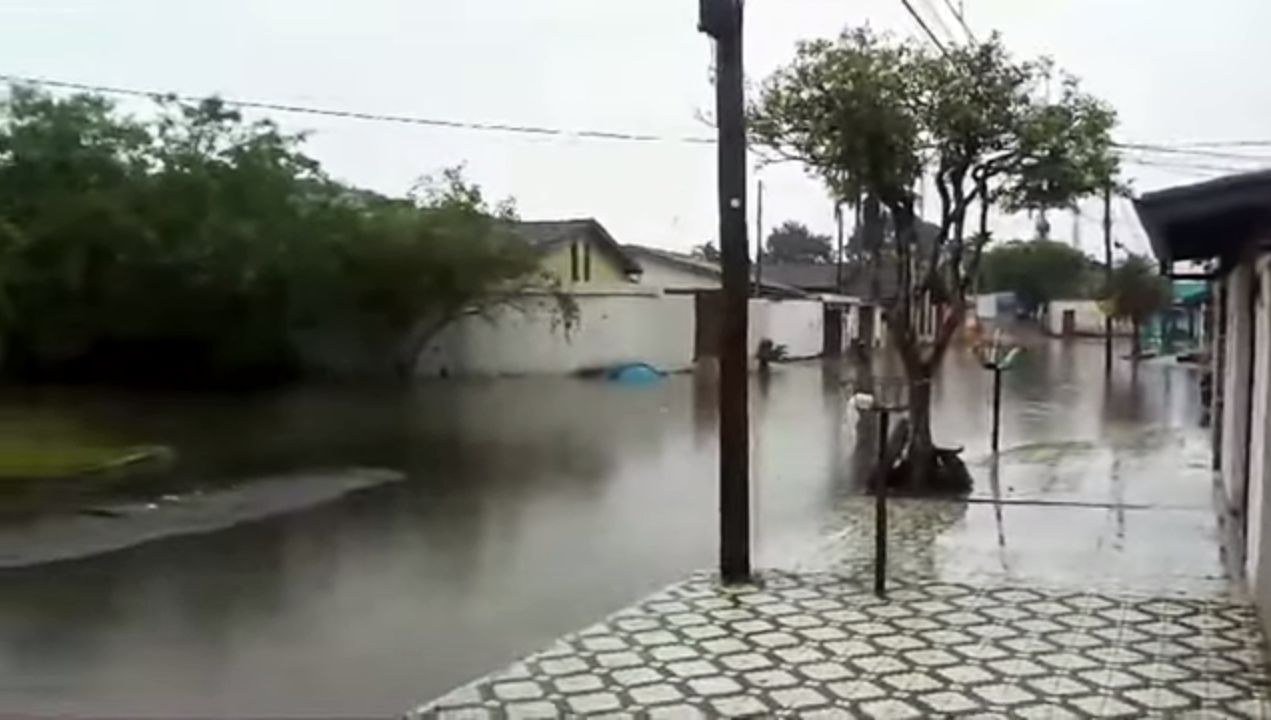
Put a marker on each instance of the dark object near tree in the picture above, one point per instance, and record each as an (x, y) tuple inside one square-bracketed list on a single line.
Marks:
[(950, 476)]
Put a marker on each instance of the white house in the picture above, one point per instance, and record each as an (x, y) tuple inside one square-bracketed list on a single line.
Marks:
[(1226, 224), (1069, 318), (809, 324)]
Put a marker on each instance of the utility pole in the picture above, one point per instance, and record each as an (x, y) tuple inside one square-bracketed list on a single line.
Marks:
[(838, 256), (722, 20), (759, 241), (1107, 277)]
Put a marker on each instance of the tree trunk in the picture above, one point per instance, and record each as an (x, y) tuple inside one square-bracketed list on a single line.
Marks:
[(922, 448), (1136, 349)]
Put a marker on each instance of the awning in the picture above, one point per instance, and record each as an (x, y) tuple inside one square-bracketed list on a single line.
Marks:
[(1213, 219)]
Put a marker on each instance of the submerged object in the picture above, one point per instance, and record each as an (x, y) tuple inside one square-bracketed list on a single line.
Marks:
[(637, 373)]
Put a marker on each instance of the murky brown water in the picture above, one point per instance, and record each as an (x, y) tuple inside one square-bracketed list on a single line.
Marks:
[(534, 506)]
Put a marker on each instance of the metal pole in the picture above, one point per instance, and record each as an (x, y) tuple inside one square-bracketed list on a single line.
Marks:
[(997, 407), (759, 241), (734, 421), (880, 507), (1107, 275)]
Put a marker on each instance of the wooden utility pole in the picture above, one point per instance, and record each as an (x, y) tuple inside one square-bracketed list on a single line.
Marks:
[(1107, 277), (722, 20), (838, 255), (759, 241)]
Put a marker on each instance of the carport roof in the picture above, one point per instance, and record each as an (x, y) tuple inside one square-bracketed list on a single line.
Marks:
[(1207, 220)]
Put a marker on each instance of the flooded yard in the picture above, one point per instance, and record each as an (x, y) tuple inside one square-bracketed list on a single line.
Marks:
[(530, 508)]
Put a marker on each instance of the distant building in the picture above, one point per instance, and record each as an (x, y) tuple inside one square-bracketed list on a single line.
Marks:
[(805, 324), (1080, 317)]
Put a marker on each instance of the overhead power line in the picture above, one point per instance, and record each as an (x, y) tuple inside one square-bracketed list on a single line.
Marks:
[(923, 24), (961, 18), (1170, 150), (368, 116), (1178, 154), (1194, 167), (939, 20)]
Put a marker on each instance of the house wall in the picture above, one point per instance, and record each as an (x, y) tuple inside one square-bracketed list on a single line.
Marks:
[(605, 269), (669, 277), (615, 325), (1258, 535), (986, 306), (1236, 377), (797, 324), (1089, 318)]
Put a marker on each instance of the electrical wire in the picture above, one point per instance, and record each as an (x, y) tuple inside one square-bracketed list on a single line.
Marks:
[(359, 115), (923, 24), (1174, 150), (1132, 151), (949, 35), (961, 17), (1193, 167)]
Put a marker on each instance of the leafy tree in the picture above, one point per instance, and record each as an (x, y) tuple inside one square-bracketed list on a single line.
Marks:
[(194, 245), (1036, 271), (706, 251), (1135, 292), (872, 116), (793, 242)]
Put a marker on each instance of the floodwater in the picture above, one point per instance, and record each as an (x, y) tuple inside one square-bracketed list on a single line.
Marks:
[(532, 508)]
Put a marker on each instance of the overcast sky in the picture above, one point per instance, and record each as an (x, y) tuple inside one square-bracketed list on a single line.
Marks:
[(1176, 71)]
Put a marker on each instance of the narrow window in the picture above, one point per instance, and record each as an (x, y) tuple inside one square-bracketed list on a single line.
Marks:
[(587, 262), (573, 261)]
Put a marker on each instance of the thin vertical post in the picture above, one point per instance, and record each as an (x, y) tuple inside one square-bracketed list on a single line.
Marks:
[(759, 241), (734, 420), (997, 407), (880, 506), (838, 256), (1107, 276)]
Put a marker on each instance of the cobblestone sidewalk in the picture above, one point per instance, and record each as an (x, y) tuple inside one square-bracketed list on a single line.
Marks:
[(821, 645)]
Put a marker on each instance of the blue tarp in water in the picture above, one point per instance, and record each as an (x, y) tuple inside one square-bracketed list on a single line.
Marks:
[(634, 373)]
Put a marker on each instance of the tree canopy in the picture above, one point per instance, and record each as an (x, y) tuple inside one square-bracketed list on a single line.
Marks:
[(877, 118), (196, 243), (792, 241), (1036, 271), (1135, 291)]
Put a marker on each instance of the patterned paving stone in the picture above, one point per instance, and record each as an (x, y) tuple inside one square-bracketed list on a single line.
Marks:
[(932, 649)]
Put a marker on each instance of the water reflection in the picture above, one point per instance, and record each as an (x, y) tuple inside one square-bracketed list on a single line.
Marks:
[(533, 507)]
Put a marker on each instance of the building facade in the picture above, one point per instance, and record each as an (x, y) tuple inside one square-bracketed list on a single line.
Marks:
[(1226, 225)]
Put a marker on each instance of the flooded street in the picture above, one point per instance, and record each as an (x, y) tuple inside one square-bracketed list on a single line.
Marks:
[(532, 507)]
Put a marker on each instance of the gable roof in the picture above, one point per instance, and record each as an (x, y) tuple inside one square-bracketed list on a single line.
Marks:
[(548, 233), (707, 269)]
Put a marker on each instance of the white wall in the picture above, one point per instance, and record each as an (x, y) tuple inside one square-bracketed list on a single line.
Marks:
[(1258, 555), (613, 327), (1236, 406), (986, 306), (1089, 318), (670, 277), (797, 324)]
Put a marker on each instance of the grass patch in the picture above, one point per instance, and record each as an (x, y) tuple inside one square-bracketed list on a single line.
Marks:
[(47, 460)]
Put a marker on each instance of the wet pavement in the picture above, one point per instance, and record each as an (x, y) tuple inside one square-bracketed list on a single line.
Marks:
[(822, 646), (533, 507)]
